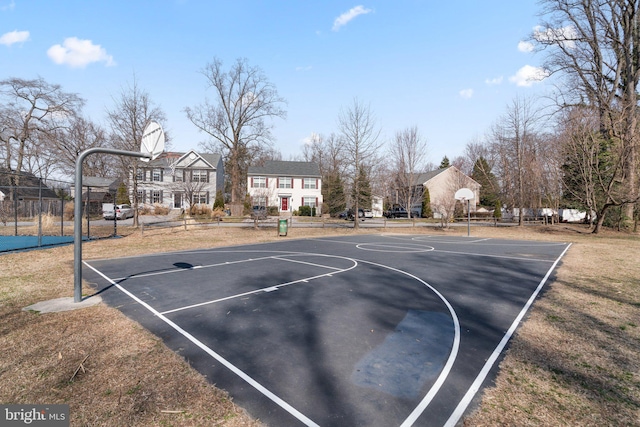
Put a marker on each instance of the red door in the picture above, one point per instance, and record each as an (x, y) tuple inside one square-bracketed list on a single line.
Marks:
[(285, 204)]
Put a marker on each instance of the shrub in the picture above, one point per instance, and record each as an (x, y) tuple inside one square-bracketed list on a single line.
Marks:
[(69, 211), (217, 213), (160, 209), (305, 211)]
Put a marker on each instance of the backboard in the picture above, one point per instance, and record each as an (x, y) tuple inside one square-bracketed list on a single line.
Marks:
[(464, 194), (152, 141)]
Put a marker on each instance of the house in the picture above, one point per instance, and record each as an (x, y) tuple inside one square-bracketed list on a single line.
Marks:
[(27, 186), (443, 184), (179, 180), (287, 185), (98, 191)]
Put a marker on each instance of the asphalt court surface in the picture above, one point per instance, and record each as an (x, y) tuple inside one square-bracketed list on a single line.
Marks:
[(367, 330)]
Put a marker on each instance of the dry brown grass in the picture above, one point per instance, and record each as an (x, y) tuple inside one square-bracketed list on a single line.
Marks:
[(573, 362)]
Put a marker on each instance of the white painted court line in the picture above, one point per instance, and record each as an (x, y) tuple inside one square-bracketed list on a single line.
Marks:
[(426, 400), (307, 263), (493, 256), (274, 398), (179, 270), (268, 288), (469, 395)]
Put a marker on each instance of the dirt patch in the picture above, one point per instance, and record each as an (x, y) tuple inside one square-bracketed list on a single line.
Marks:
[(573, 362)]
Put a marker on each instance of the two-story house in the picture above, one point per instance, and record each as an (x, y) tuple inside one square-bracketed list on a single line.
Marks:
[(180, 180), (287, 185)]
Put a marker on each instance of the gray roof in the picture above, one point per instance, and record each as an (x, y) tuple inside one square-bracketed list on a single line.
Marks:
[(424, 177), (29, 185), (96, 181), (211, 158), (285, 168), (166, 159)]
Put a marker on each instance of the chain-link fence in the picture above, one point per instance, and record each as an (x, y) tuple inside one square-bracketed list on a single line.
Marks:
[(35, 212)]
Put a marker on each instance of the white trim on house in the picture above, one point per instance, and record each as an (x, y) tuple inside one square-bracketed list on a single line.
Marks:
[(174, 180)]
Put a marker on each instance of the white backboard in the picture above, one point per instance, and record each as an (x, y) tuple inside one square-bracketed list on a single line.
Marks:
[(152, 140), (464, 194)]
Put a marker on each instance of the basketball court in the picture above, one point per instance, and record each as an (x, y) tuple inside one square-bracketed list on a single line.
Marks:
[(375, 330)]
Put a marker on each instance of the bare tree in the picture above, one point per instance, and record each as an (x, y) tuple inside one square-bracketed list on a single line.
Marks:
[(360, 136), (408, 155), (131, 113), (31, 111), (514, 139), (238, 121), (82, 134), (595, 45)]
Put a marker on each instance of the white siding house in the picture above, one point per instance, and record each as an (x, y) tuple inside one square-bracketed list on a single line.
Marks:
[(287, 185), (178, 180)]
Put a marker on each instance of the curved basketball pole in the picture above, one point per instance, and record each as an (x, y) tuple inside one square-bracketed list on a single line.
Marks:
[(77, 213)]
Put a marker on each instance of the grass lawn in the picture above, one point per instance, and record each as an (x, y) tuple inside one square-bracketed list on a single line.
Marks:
[(574, 360)]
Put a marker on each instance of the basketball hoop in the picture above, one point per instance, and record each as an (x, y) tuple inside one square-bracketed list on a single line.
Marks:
[(462, 195)]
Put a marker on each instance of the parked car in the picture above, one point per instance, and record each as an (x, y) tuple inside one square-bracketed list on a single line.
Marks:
[(400, 212), (121, 211), (368, 213), (344, 214), (361, 214), (259, 212)]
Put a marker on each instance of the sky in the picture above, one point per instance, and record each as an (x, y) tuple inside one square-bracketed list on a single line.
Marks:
[(448, 68)]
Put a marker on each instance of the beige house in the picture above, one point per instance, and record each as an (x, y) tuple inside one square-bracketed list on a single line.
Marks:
[(442, 185)]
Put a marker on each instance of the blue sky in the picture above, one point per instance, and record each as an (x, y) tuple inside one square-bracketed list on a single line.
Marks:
[(449, 68)]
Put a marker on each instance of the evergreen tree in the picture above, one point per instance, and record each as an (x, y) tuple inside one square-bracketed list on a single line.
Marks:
[(333, 194), (444, 163), (219, 202), (483, 175), (122, 197), (426, 204), (497, 212), (364, 190)]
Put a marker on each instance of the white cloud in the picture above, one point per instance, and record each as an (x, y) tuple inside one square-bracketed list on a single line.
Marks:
[(10, 6), (307, 68), (311, 139), (526, 47), (466, 93), (528, 75), (564, 36), (348, 16), (494, 81), (14, 37), (78, 53)]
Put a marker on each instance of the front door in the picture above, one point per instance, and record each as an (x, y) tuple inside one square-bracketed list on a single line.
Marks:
[(284, 205)]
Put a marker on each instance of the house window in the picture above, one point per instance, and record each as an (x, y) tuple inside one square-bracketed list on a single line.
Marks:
[(284, 182), (200, 198), (140, 175), (309, 184), (156, 196), (199, 176), (141, 196), (177, 176), (259, 182), (157, 175), (259, 201), (309, 201)]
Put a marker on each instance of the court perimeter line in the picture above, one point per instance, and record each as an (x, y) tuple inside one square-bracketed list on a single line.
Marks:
[(269, 288), (277, 400), (469, 395)]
